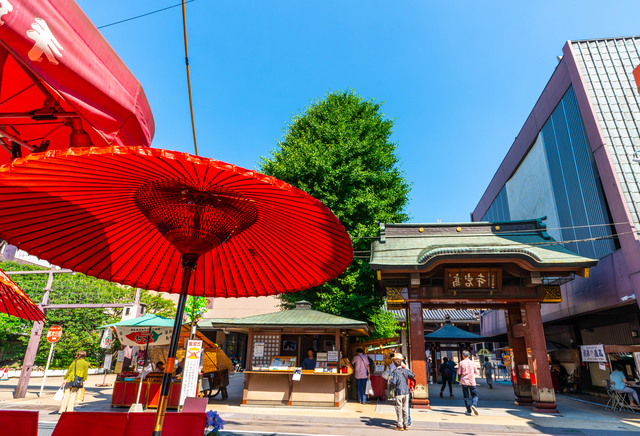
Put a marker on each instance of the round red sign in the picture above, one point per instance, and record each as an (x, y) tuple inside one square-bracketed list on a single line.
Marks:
[(54, 333)]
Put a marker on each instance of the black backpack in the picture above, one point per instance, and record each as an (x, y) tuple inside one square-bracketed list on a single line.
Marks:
[(372, 366)]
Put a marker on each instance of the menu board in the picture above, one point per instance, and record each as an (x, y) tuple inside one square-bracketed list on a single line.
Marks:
[(265, 348), (322, 356), (282, 363), (333, 356)]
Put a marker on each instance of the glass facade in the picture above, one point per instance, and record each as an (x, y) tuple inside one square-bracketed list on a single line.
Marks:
[(580, 205)]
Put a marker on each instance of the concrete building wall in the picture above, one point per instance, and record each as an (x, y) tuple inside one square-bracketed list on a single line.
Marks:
[(601, 74)]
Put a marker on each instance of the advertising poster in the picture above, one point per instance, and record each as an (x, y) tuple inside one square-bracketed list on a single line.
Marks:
[(258, 349), (593, 353), (191, 370), (140, 335)]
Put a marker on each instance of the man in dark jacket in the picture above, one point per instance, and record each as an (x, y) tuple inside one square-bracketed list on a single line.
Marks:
[(447, 369), (400, 379)]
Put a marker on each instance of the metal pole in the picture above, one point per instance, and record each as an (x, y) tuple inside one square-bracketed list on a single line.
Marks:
[(44, 378), (189, 262), (144, 361), (34, 341)]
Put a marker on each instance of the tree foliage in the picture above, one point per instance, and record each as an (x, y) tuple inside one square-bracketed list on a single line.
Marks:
[(339, 150), (79, 326), (195, 307)]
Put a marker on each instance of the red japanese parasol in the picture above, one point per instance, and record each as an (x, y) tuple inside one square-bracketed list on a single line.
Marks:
[(15, 302), (134, 215), (60, 80)]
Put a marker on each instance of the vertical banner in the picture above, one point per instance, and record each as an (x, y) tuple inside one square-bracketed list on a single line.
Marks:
[(107, 339), (191, 370)]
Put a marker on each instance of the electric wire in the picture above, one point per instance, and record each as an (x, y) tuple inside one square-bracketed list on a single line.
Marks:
[(493, 234), (515, 244), (143, 15), (186, 59)]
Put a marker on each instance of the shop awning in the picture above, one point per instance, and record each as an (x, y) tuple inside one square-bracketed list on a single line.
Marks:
[(56, 69), (147, 320), (300, 317)]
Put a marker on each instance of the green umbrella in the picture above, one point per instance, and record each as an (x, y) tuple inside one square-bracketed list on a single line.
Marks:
[(147, 320)]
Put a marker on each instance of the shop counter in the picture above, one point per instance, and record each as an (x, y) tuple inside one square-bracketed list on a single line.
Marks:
[(124, 394), (278, 388), (154, 395)]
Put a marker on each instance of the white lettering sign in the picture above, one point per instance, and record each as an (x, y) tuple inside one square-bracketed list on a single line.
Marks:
[(191, 370), (593, 353)]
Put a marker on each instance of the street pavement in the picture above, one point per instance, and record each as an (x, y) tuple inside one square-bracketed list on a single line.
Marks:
[(498, 414)]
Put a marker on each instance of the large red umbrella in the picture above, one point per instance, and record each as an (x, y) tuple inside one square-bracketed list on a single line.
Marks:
[(58, 75), (15, 302), (135, 215)]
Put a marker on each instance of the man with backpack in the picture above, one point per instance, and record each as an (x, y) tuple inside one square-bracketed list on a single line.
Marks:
[(447, 370), (401, 378)]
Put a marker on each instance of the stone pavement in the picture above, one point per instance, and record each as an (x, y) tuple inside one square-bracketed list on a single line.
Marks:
[(498, 414)]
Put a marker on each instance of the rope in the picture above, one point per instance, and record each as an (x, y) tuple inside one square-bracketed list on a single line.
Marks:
[(186, 59)]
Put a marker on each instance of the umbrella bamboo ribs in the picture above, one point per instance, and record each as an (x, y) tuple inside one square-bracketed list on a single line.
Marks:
[(194, 221)]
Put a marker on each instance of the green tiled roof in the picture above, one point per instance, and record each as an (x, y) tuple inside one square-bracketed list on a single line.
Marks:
[(449, 331), (403, 245), (289, 318)]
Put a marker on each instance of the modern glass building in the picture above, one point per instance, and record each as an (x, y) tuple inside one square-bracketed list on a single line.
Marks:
[(572, 163)]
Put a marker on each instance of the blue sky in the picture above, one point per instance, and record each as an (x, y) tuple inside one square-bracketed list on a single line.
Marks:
[(459, 77)]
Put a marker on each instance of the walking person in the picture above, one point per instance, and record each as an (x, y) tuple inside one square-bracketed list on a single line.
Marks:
[(447, 370), (400, 380), (360, 365), (488, 372), (467, 371), (74, 380)]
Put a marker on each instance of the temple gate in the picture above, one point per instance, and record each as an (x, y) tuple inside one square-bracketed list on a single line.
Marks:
[(513, 266)]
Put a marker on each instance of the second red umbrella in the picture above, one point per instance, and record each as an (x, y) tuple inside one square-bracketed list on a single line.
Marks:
[(15, 302)]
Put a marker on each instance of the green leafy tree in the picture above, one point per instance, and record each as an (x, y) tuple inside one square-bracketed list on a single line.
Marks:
[(339, 150), (195, 307), (79, 326)]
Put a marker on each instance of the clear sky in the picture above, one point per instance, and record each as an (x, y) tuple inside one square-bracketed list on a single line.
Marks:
[(459, 77)]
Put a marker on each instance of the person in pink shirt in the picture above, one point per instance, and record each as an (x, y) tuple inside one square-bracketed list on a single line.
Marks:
[(467, 371), (361, 371)]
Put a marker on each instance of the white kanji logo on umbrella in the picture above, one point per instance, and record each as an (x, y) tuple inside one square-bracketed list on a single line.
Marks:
[(45, 44), (5, 8)]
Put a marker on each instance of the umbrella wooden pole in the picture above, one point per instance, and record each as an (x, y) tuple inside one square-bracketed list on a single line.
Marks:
[(189, 262)]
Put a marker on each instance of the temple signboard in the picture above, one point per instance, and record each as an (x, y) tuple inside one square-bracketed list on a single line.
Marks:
[(473, 279), (396, 297)]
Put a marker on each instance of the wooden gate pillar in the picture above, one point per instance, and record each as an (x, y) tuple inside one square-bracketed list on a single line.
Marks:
[(420, 397), (542, 391), (515, 334)]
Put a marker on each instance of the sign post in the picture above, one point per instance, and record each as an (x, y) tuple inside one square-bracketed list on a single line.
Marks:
[(107, 366), (53, 336), (191, 370)]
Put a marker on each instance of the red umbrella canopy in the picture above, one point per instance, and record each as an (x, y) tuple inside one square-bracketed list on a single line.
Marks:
[(103, 212), (58, 75), (15, 302)]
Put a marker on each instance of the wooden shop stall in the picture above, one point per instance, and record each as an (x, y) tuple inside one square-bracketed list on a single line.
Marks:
[(214, 372), (278, 343), (380, 351)]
